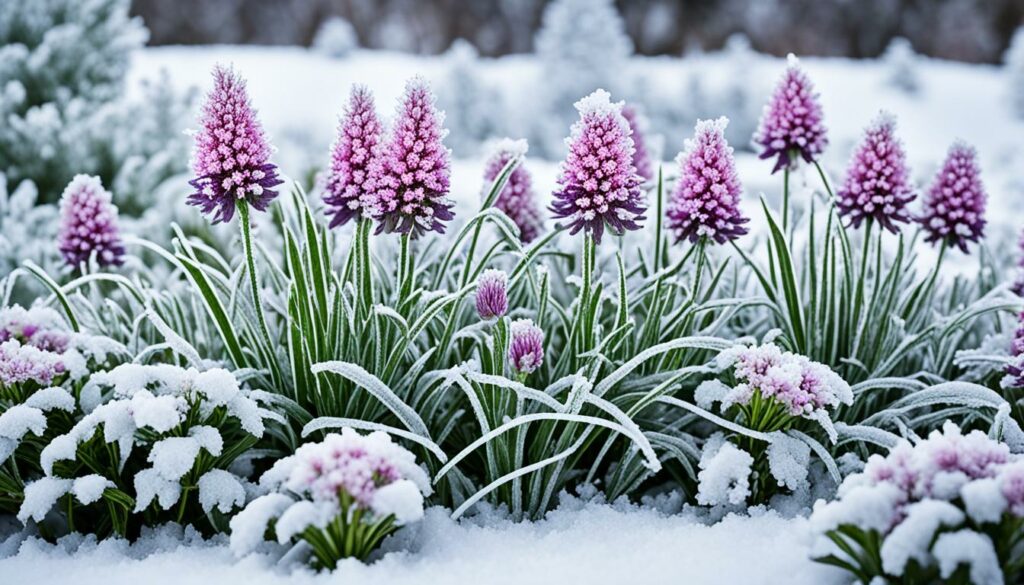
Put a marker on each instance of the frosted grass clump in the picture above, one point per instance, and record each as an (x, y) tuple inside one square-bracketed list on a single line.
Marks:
[(598, 186), (341, 497), (163, 437), (903, 505)]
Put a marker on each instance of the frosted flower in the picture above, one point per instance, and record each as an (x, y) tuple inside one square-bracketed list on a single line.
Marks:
[(1011, 486), (877, 182), (791, 124), (517, 200), (88, 224), (638, 130), (40, 327), (1015, 369), (492, 294), (231, 161), (705, 202), (410, 178), (801, 385), (526, 348), (25, 363), (1018, 283), (359, 136), (598, 184), (954, 207)]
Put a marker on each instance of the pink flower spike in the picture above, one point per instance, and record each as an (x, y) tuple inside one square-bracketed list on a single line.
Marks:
[(88, 224)]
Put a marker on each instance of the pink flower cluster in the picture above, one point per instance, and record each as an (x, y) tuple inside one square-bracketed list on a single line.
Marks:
[(638, 131), (88, 224), (801, 385), (25, 363), (359, 136), (231, 161), (40, 327), (355, 464), (409, 182), (599, 185), (954, 209), (517, 200), (877, 183), (1015, 369), (791, 124), (705, 203)]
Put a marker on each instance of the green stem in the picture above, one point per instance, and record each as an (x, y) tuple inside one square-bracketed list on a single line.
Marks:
[(243, 216), (406, 269), (365, 276), (785, 198), (586, 332)]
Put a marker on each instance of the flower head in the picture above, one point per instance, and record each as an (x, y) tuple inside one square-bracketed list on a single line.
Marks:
[(801, 385), (359, 135), (25, 363), (638, 130), (492, 294), (706, 198), (526, 349), (954, 208), (410, 178), (1015, 369), (89, 224), (39, 327), (791, 124), (1018, 283), (517, 200), (877, 182), (231, 161), (599, 185)]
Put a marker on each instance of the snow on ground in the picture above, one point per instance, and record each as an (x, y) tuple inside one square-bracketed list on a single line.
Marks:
[(300, 93), (578, 543)]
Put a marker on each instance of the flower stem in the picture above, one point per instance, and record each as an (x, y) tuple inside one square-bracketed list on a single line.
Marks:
[(785, 198), (243, 216)]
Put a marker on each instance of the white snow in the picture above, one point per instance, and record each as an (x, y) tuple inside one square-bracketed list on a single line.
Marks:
[(53, 398), (89, 488), (40, 496), (149, 484), (589, 543), (912, 537), (984, 500), (174, 457), (299, 516), (19, 420), (221, 489), (401, 498), (789, 460), (249, 525), (968, 547), (724, 476)]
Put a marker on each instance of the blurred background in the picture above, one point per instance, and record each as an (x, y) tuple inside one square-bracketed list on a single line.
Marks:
[(963, 30)]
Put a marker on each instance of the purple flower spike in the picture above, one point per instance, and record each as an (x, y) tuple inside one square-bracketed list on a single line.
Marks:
[(88, 224), (411, 175), (598, 184), (791, 124), (526, 350), (232, 157), (517, 199), (1018, 284), (954, 209), (877, 182), (706, 199), (1015, 369), (638, 128), (492, 294), (359, 135)]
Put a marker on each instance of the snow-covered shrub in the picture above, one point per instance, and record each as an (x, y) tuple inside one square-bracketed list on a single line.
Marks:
[(340, 497), (60, 61), (27, 230), (335, 38), (468, 100), (42, 368), (1014, 61), (156, 444), (901, 66), (582, 46), (949, 508), (776, 401)]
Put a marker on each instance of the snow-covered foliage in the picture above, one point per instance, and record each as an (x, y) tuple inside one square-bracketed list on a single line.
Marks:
[(468, 101), (336, 38), (153, 442), (340, 497), (951, 506), (901, 64)]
